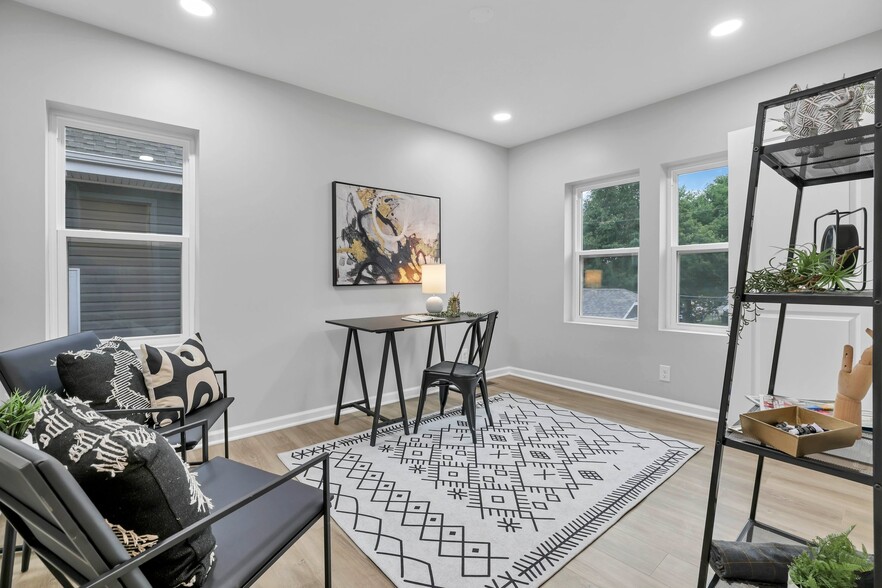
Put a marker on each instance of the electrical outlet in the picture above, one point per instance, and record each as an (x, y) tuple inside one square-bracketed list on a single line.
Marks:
[(664, 373)]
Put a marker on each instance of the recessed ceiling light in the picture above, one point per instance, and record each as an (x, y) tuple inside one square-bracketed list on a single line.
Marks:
[(145, 157), (726, 27), (197, 7), (502, 117)]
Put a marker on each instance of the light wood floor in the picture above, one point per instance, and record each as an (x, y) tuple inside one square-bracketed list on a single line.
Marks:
[(656, 544)]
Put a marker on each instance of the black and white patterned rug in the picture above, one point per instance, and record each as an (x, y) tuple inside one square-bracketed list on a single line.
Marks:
[(435, 510)]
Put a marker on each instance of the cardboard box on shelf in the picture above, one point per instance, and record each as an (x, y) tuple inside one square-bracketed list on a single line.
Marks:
[(760, 425)]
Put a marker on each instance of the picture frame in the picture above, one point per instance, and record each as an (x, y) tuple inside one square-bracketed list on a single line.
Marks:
[(381, 236)]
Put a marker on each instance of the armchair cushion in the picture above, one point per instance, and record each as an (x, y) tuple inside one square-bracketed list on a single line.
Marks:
[(106, 377), (182, 378), (136, 481)]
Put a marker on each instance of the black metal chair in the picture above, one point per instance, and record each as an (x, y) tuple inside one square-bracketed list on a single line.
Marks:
[(31, 367), (257, 517), (463, 376)]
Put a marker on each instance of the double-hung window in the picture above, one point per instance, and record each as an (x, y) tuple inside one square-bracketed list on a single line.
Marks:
[(607, 234), (121, 219), (699, 234)]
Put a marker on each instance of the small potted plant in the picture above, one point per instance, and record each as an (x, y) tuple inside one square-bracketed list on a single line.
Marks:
[(830, 562), (17, 413), (453, 309)]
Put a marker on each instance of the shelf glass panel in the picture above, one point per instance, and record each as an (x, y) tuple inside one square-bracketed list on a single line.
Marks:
[(853, 463), (841, 156), (822, 137)]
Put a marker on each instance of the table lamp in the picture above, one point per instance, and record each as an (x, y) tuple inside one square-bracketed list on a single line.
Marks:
[(434, 282)]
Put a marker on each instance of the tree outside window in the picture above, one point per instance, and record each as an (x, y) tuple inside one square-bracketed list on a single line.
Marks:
[(609, 233), (700, 245)]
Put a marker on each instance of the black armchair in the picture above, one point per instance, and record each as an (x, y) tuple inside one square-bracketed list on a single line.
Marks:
[(31, 367), (463, 376), (258, 516)]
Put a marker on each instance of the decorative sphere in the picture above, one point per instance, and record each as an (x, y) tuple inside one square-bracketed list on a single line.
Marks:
[(434, 304)]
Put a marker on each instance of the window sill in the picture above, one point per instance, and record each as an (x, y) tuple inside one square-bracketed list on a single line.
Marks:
[(601, 322), (697, 330)]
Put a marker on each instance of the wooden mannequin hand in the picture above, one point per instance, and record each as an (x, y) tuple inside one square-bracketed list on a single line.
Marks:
[(854, 382)]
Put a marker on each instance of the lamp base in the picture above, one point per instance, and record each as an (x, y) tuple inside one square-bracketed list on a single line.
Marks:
[(434, 304)]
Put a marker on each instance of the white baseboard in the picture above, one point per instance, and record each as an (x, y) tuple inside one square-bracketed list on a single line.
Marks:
[(307, 416), (638, 398), (290, 420)]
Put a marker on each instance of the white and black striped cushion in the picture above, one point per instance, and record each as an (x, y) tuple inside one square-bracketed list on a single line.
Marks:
[(106, 377)]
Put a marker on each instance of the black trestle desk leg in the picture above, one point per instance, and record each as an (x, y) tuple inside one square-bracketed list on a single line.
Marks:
[(398, 383), (364, 391), (343, 376), (352, 336), (379, 402), (435, 329), (436, 332)]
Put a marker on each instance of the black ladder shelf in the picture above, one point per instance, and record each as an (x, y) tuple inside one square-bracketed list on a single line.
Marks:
[(839, 156)]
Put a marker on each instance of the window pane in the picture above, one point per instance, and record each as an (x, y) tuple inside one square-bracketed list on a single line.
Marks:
[(611, 217), (703, 206), (704, 286), (125, 288), (117, 183), (117, 208), (609, 287)]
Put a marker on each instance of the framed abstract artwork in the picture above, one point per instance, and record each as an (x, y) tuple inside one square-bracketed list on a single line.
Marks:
[(383, 236)]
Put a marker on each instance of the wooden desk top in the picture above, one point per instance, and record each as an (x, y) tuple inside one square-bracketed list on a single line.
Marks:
[(385, 324)]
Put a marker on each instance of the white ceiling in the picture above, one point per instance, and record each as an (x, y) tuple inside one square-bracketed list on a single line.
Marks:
[(554, 64)]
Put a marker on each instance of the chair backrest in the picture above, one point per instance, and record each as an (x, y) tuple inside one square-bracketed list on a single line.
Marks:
[(486, 338), (33, 366), (480, 341), (55, 517)]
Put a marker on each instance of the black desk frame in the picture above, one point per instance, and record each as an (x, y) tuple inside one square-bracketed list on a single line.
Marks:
[(387, 325)]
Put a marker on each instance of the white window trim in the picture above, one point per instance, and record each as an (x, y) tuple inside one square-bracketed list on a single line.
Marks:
[(578, 254), (57, 234), (670, 301)]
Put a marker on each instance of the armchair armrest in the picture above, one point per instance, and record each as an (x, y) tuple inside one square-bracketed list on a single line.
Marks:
[(223, 375), (178, 410), (182, 431), (167, 543)]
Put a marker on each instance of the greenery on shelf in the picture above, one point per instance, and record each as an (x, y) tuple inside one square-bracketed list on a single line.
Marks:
[(448, 314), (830, 562), (805, 269), (17, 413)]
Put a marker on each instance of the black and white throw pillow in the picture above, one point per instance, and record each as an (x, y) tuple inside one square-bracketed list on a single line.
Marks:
[(136, 481), (182, 378), (106, 377)]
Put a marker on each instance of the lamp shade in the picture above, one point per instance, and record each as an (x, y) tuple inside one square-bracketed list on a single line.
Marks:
[(435, 279)]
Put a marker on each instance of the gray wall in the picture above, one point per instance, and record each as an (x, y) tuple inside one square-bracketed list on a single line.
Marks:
[(683, 128), (268, 154)]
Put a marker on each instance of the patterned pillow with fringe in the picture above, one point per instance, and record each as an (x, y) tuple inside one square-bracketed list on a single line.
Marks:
[(106, 377), (135, 479)]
